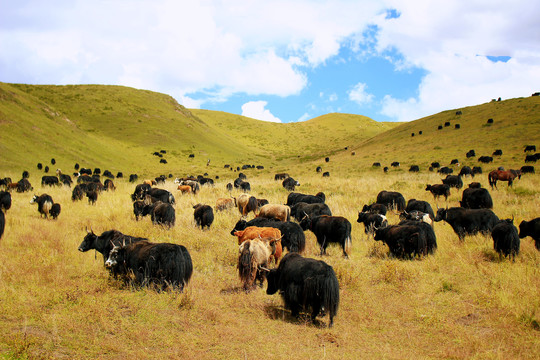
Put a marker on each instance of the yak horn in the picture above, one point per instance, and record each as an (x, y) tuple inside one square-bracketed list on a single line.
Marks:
[(263, 268)]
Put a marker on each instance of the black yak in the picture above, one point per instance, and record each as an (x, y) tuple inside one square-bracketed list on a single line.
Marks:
[(163, 265), (305, 283)]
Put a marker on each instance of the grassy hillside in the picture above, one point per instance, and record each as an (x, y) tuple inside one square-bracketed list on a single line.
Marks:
[(516, 122), (114, 127), (463, 302), (293, 143), (119, 128)]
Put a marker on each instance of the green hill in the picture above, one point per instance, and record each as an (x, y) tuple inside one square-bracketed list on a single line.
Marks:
[(516, 123), (119, 128)]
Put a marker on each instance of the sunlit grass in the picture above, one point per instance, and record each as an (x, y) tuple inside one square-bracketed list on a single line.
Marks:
[(461, 302)]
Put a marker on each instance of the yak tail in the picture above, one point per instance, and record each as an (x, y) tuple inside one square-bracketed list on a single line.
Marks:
[(47, 205), (288, 213), (348, 244), (246, 264), (188, 265), (325, 286)]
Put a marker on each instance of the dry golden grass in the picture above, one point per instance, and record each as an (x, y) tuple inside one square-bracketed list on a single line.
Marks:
[(462, 302)]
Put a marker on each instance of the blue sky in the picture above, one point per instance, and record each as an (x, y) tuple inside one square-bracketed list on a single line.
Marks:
[(282, 61)]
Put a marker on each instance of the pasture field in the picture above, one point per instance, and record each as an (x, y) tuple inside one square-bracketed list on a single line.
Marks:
[(463, 302)]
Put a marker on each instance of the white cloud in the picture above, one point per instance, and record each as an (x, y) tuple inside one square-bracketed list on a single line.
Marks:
[(359, 94), (256, 110), (304, 117), (450, 40), (221, 47)]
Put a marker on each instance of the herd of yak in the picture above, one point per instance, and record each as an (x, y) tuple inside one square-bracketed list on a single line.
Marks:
[(303, 283)]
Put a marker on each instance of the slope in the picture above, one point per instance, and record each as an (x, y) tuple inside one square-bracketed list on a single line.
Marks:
[(516, 123)]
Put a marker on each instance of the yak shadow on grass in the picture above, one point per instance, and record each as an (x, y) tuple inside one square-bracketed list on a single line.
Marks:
[(280, 313)]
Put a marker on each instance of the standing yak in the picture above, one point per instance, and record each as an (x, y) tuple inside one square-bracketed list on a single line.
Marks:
[(505, 238), (391, 199), (330, 229), (163, 265), (532, 229), (305, 283), (204, 215)]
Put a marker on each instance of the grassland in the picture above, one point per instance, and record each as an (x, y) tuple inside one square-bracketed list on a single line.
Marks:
[(463, 302)]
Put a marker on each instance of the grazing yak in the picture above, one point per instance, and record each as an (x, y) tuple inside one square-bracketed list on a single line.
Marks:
[(301, 209), (375, 208), (281, 176), (305, 283), (253, 261), (485, 159), (505, 238), (138, 209), (466, 170), (44, 203), (23, 186), (140, 191), (161, 195), (108, 185), (203, 215), (468, 221), (531, 228), (290, 184), (330, 229), (78, 192), (184, 189), (268, 233), (254, 232), (55, 210), (92, 196), (527, 169), (419, 205), (275, 211), (294, 198), (476, 198), (416, 215), (161, 213), (445, 170), (391, 199), (407, 240), (246, 203), (371, 221), (453, 181), (292, 236), (143, 263), (225, 203), (5, 200), (49, 181), (105, 242)]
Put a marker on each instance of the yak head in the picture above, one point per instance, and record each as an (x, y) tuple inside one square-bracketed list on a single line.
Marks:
[(88, 241), (115, 256), (240, 225), (305, 224), (441, 214)]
